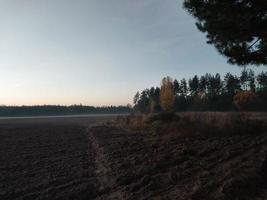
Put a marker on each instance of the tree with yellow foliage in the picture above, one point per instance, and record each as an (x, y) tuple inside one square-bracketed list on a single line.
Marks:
[(167, 96)]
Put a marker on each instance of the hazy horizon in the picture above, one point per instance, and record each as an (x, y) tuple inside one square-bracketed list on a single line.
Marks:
[(97, 52)]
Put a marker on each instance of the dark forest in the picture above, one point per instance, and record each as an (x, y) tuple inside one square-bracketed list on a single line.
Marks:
[(210, 93)]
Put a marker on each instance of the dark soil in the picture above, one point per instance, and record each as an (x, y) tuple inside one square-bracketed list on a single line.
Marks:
[(46, 162), (146, 167), (74, 161)]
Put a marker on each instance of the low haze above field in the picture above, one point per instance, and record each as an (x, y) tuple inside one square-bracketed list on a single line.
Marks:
[(97, 52)]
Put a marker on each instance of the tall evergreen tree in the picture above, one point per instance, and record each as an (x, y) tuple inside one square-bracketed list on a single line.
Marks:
[(194, 85), (232, 84), (176, 87), (244, 79), (183, 86), (262, 80), (237, 28), (251, 80), (214, 85), (203, 84)]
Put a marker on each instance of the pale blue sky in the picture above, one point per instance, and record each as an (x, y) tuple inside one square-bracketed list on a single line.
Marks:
[(97, 52)]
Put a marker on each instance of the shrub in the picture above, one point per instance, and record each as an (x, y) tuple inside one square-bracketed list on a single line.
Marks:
[(164, 117), (245, 100)]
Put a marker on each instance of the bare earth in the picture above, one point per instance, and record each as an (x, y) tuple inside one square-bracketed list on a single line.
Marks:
[(78, 158)]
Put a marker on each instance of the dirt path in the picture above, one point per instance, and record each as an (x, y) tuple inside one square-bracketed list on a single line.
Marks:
[(104, 175)]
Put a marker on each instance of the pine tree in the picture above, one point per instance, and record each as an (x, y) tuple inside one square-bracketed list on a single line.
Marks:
[(237, 28)]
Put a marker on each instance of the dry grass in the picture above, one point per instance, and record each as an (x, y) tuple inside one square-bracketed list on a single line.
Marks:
[(196, 124)]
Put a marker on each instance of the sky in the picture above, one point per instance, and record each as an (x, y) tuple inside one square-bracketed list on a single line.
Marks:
[(97, 52)]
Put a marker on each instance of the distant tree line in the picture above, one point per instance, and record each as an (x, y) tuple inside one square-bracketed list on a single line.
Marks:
[(48, 110), (206, 93)]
